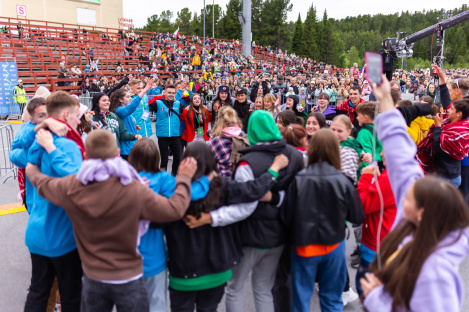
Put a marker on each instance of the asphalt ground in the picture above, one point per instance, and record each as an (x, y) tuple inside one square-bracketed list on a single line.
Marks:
[(15, 265)]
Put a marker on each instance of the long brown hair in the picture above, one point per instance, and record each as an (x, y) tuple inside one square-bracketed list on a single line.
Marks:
[(116, 98), (445, 212), (324, 146), (202, 108)]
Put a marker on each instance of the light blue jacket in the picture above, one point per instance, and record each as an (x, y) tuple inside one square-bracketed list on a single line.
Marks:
[(18, 154), (49, 231), (145, 125), (167, 124), (126, 113), (152, 246)]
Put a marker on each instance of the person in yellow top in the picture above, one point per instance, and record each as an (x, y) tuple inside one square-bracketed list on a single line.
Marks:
[(19, 94), (196, 61), (419, 127)]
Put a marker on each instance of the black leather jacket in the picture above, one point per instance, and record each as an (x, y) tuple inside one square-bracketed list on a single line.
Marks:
[(318, 202)]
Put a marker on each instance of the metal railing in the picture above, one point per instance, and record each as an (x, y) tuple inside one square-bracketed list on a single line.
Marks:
[(7, 168)]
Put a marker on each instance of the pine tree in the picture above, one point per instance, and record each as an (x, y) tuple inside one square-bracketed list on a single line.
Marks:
[(183, 21), (297, 36), (230, 23), (309, 47), (328, 52)]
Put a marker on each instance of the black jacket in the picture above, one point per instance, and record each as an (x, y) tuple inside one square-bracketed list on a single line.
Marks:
[(207, 249), (263, 228), (255, 87), (318, 202), (242, 109)]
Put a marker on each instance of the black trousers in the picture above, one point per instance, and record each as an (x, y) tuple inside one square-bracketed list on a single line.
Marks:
[(175, 144), (206, 300), (282, 290), (101, 297), (69, 273), (464, 187)]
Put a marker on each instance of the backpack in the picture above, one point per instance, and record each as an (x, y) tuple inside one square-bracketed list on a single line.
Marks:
[(238, 143)]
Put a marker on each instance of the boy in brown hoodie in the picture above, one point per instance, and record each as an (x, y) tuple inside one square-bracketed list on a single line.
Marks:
[(106, 203)]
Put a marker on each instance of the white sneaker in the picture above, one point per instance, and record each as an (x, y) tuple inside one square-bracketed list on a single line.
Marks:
[(349, 296)]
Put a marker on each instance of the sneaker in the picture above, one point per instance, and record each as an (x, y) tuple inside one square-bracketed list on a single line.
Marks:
[(356, 252), (355, 262), (349, 296)]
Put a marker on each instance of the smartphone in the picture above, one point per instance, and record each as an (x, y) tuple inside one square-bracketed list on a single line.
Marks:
[(374, 68)]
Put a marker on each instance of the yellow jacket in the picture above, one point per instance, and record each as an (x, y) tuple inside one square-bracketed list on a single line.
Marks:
[(419, 128), (196, 60)]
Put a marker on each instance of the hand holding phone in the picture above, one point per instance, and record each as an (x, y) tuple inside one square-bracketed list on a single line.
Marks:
[(374, 67)]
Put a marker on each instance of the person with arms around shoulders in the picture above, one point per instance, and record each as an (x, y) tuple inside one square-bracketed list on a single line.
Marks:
[(49, 232), (318, 247), (97, 199)]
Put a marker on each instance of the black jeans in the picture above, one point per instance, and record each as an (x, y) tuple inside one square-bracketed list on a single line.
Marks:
[(282, 290), (206, 300), (101, 297), (68, 270), (175, 144)]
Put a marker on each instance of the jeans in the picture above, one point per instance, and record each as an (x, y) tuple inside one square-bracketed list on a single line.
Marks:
[(331, 271), (156, 287), (464, 187), (206, 300), (175, 144), (455, 181), (68, 270), (363, 268), (101, 297)]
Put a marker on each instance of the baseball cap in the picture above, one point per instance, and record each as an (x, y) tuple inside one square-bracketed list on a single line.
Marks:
[(20, 80), (241, 91)]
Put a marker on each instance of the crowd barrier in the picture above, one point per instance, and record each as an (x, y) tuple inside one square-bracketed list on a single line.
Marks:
[(7, 168)]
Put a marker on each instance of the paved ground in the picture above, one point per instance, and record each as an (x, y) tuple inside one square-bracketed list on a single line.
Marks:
[(15, 268)]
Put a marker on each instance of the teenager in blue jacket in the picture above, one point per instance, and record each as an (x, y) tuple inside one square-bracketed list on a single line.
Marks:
[(142, 112)]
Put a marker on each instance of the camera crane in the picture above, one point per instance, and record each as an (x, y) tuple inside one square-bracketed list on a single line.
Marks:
[(402, 47)]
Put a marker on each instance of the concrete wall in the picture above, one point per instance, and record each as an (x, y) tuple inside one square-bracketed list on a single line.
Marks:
[(65, 11)]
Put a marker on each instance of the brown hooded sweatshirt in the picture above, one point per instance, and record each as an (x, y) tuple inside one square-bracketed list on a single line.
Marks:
[(105, 218)]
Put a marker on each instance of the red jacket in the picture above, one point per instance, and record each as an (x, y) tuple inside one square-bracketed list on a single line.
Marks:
[(371, 206), (189, 130)]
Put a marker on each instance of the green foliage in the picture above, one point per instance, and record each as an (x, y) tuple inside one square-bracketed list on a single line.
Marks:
[(230, 23), (297, 36), (183, 21), (309, 46), (338, 42), (209, 9)]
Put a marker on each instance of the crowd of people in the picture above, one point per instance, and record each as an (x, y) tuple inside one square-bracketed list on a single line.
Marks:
[(269, 164), (264, 178)]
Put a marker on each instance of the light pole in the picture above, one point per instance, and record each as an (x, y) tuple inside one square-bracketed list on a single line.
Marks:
[(203, 43), (213, 19)]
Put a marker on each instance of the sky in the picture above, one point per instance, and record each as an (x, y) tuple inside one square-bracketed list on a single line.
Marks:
[(336, 9)]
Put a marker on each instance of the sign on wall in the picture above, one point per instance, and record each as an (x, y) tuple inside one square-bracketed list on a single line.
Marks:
[(126, 22), (8, 80), (21, 10), (87, 17)]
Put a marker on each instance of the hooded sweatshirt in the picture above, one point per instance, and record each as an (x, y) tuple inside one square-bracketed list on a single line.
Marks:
[(106, 230), (49, 231), (18, 154), (439, 286)]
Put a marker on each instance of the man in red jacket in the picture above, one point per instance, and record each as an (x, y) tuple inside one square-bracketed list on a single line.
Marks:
[(371, 202), (349, 107)]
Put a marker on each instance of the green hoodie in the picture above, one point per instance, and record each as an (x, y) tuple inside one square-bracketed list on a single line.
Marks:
[(116, 126), (365, 138), (262, 128)]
